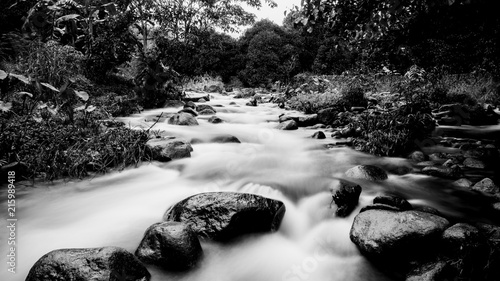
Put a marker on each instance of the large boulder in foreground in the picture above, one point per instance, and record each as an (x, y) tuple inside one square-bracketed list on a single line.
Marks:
[(96, 264), (165, 150), (183, 119), (170, 245), (392, 234), (223, 216)]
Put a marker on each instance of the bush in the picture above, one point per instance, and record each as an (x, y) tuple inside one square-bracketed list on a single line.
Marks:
[(52, 150), (50, 62)]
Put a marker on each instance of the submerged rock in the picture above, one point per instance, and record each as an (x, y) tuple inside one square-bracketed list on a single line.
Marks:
[(170, 245), (318, 135), (96, 264), (394, 201), (394, 235), (215, 120), (203, 107), (223, 216), (367, 172), (183, 119)]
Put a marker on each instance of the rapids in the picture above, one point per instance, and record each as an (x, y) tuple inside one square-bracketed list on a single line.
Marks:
[(312, 244)]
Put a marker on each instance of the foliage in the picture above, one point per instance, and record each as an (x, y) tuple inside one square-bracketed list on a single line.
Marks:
[(51, 62), (53, 150), (155, 82), (395, 133)]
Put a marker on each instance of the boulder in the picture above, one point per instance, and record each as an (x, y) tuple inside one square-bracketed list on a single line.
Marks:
[(201, 107), (207, 112), (346, 198), (487, 186), (223, 216), (396, 235), (190, 104), (463, 182), (188, 110), (225, 139), (165, 150), (287, 125), (215, 120), (474, 163), (96, 264), (183, 119), (453, 172), (418, 156), (367, 172), (308, 120), (327, 116), (318, 135), (170, 245)]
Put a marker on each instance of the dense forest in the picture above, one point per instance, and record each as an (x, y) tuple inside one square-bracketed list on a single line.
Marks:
[(67, 65)]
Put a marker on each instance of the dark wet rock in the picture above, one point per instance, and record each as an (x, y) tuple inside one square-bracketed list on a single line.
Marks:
[(96, 264), (223, 216), (486, 185), (233, 103), (207, 112), (183, 119), (170, 245), (327, 116), (367, 172), (202, 100), (346, 198), (437, 156), (196, 97), (426, 164), (474, 163), (225, 139), (287, 125), (188, 110), (165, 149), (395, 201), (317, 126), (173, 103), (308, 120), (449, 163), (465, 249), (453, 172), (318, 135), (215, 120), (396, 235), (463, 182), (202, 107), (432, 271), (190, 104), (418, 156)]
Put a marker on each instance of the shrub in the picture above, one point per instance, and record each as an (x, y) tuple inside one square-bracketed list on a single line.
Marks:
[(50, 62), (51, 149)]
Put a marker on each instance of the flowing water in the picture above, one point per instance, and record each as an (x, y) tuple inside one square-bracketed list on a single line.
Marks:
[(312, 244)]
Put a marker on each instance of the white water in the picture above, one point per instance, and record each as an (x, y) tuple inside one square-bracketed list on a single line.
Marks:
[(116, 209)]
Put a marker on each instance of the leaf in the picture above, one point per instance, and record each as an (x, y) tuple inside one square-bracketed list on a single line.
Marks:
[(53, 110), (91, 108), (21, 78), (5, 106), (47, 85), (25, 94), (67, 17), (83, 95), (80, 108), (37, 119), (111, 8), (3, 74)]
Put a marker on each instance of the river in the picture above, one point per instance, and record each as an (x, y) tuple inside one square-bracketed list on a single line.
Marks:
[(312, 244)]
